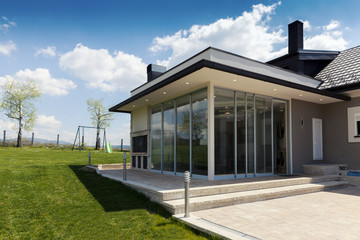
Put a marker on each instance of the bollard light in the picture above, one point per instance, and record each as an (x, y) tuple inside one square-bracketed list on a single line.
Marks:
[(187, 183), (124, 167), (89, 159)]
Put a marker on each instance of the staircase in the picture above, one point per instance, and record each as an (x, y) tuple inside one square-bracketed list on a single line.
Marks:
[(202, 198)]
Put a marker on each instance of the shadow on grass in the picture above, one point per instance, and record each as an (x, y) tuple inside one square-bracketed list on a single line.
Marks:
[(114, 196)]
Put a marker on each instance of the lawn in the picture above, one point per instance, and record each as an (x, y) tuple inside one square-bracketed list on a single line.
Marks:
[(46, 194)]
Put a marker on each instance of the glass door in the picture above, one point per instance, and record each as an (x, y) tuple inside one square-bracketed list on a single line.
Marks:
[(280, 136)]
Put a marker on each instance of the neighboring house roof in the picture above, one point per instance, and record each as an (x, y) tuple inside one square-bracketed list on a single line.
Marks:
[(343, 71)]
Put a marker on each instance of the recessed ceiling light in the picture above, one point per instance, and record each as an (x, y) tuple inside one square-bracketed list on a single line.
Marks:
[(164, 93), (234, 80), (134, 105), (321, 99), (146, 100), (275, 89), (300, 95), (187, 83)]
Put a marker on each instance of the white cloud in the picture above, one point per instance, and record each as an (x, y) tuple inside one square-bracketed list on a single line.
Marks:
[(248, 35), (47, 127), (46, 52), (7, 47), (104, 71), (5, 24), (307, 25), (329, 39), (332, 25), (42, 77)]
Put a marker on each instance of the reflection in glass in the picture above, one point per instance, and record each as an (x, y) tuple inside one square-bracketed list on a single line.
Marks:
[(156, 138), (263, 135), (199, 132), (169, 131), (183, 134), (224, 132), (250, 134), (240, 121), (279, 136)]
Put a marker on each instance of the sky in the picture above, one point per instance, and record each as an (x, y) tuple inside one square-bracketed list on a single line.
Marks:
[(75, 50)]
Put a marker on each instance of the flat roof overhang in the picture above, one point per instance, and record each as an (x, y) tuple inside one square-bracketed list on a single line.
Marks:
[(227, 70)]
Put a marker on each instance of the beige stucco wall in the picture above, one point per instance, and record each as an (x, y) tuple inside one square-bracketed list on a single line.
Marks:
[(139, 120)]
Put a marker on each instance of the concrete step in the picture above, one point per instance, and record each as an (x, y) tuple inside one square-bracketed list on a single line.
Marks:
[(227, 199), (244, 186)]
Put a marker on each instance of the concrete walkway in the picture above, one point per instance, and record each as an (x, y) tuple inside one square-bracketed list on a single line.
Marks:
[(323, 215)]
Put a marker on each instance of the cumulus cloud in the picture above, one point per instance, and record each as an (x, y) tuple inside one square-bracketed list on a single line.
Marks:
[(332, 25), (330, 39), (102, 70), (5, 24), (248, 35), (42, 77), (47, 127), (7, 47), (46, 52)]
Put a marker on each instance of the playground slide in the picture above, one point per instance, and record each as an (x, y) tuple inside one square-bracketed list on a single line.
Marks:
[(108, 147)]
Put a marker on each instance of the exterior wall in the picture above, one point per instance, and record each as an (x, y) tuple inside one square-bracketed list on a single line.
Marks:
[(302, 146), (140, 127), (139, 120), (337, 148)]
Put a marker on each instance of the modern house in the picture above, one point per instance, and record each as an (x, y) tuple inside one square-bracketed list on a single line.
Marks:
[(221, 116)]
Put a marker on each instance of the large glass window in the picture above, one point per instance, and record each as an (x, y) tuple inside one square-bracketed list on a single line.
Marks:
[(156, 119), (224, 132), (279, 113), (263, 135), (183, 134), (199, 133), (250, 127), (168, 137), (240, 133)]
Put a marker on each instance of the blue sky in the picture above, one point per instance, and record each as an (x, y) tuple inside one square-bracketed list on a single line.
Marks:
[(79, 49)]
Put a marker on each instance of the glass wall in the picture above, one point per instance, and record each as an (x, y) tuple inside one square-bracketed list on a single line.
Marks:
[(183, 134), (199, 133), (224, 132), (249, 134), (156, 121), (168, 136), (191, 115), (240, 132)]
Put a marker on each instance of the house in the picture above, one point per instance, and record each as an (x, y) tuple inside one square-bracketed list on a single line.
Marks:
[(221, 116)]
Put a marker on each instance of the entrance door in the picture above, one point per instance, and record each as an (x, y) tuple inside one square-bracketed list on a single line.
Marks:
[(317, 139)]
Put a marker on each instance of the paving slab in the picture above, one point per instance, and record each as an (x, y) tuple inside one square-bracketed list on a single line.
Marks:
[(323, 215)]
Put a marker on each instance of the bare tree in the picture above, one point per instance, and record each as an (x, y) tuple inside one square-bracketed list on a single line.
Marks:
[(100, 117), (18, 104)]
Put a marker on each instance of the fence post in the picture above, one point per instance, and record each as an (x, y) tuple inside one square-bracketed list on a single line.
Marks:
[(124, 167), (32, 139), (121, 145), (4, 139), (57, 141), (187, 183)]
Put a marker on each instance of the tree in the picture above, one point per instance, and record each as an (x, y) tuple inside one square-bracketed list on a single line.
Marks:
[(18, 104), (100, 117)]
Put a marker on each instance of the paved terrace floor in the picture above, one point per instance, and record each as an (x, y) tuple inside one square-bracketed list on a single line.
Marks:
[(170, 182), (324, 215)]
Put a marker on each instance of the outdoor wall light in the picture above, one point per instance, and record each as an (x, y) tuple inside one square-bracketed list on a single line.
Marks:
[(302, 123)]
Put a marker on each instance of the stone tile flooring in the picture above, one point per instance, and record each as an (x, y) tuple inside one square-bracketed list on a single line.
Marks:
[(323, 215)]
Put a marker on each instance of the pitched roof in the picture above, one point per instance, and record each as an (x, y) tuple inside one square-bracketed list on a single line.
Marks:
[(343, 70)]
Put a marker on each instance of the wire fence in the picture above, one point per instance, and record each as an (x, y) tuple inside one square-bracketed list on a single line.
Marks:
[(9, 139)]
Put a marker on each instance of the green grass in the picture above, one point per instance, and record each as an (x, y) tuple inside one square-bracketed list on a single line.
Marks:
[(45, 194)]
